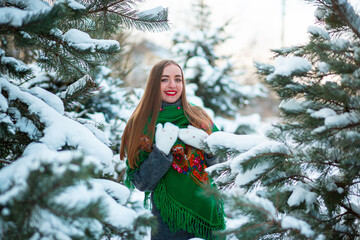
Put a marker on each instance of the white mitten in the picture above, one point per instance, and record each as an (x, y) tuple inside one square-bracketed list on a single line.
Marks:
[(166, 136), (193, 136)]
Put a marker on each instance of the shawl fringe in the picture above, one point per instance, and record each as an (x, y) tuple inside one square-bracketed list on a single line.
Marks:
[(179, 217)]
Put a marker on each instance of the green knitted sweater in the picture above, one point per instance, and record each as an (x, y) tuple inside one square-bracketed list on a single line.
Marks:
[(179, 194)]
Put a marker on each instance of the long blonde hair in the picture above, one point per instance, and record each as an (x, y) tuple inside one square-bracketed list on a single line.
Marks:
[(149, 106)]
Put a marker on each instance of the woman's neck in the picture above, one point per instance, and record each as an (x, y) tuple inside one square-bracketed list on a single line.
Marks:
[(177, 103)]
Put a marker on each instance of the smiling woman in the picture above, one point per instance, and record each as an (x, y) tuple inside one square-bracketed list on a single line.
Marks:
[(162, 144)]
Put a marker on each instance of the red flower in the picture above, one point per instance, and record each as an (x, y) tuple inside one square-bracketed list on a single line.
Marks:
[(197, 161)]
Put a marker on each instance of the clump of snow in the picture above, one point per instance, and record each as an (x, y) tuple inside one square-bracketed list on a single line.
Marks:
[(239, 143), (18, 65), (27, 126), (115, 190), (75, 5), (15, 17), (250, 175), (339, 44), (151, 13), (51, 99), (82, 41), (342, 120), (79, 195), (268, 147), (320, 13), (3, 103), (12, 16), (99, 134), (301, 194), (323, 67), (333, 120), (32, 5), (316, 31), (323, 113), (288, 66), (263, 203), (288, 222), (293, 105), (320, 237)]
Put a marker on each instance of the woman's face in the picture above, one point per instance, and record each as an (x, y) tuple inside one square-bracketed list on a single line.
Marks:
[(171, 84)]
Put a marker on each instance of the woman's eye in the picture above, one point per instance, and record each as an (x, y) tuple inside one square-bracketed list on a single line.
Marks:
[(178, 80), (164, 79)]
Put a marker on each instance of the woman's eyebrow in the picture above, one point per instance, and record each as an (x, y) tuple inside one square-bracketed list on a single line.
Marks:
[(169, 75)]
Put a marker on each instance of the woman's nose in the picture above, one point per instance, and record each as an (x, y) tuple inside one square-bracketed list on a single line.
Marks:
[(172, 83)]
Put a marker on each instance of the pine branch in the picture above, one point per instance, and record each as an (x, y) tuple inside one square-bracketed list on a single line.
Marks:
[(33, 21), (145, 22), (5, 161), (120, 13), (23, 108), (348, 14), (14, 67), (79, 89)]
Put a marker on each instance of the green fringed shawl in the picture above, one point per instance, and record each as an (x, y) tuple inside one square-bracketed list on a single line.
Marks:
[(178, 195)]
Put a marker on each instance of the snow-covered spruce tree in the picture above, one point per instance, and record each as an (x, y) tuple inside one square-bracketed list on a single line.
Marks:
[(211, 75), (110, 108), (54, 170), (303, 182)]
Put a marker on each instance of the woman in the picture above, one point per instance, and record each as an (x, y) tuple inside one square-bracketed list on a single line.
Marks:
[(162, 144)]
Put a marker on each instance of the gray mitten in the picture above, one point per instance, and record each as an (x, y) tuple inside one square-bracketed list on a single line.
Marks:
[(165, 136), (193, 136)]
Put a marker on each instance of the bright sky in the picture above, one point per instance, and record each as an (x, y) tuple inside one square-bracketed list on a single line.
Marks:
[(255, 28)]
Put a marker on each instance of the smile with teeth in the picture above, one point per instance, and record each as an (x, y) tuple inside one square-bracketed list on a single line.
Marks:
[(170, 93)]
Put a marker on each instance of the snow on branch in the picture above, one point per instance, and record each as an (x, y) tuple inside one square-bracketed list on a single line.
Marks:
[(252, 171), (29, 5), (317, 31), (77, 89), (13, 66), (289, 222), (334, 120), (301, 193), (83, 42), (123, 13), (15, 177), (60, 131), (26, 11), (149, 20), (348, 13), (232, 143), (155, 19), (51, 99), (287, 66), (243, 149), (262, 213)]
